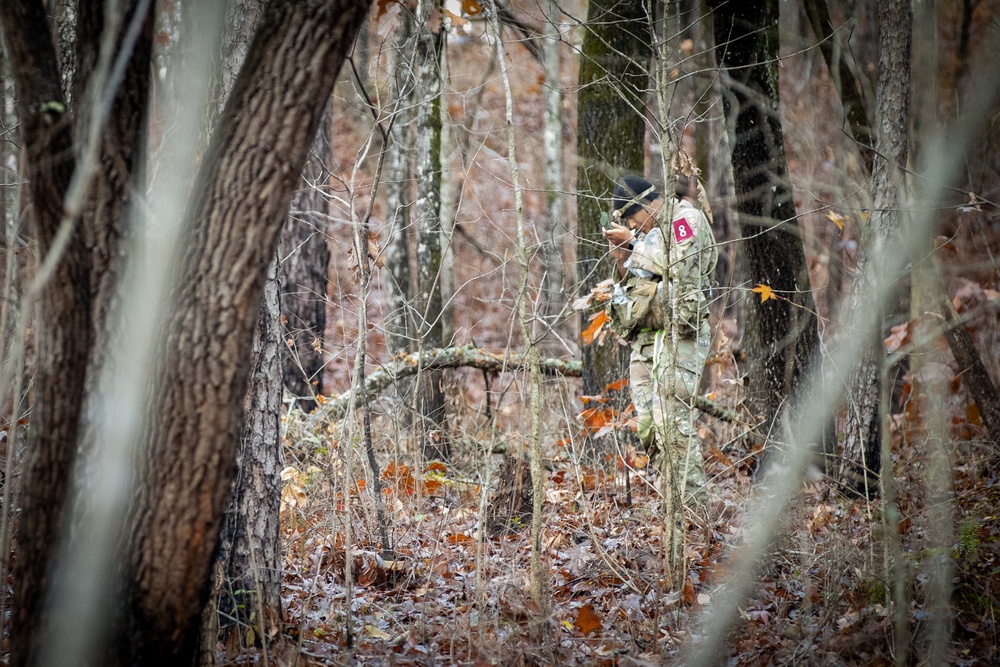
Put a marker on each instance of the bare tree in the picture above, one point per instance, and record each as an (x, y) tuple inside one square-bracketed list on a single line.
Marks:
[(428, 86), (249, 564), (240, 202), (781, 336), (862, 444), (610, 140)]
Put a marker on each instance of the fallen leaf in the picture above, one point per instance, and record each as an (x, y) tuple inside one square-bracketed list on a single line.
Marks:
[(587, 621)]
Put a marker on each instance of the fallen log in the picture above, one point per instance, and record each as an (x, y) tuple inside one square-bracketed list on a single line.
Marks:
[(335, 408)]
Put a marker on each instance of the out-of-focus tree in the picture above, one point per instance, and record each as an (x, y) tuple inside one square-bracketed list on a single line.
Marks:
[(239, 204)]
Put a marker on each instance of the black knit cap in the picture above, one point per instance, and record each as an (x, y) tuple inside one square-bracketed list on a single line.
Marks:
[(630, 192)]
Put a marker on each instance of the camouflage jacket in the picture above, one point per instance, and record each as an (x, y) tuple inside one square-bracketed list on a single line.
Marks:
[(685, 279)]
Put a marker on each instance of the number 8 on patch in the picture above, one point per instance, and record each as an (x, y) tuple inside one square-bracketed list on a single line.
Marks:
[(682, 230)]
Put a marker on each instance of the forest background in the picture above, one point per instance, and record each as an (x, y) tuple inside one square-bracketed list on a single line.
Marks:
[(497, 512)]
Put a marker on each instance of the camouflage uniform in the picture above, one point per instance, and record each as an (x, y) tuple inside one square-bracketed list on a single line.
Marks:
[(664, 386)]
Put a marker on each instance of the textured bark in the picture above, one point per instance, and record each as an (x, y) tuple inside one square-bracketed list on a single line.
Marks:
[(249, 548), (862, 443), (781, 334), (610, 139), (62, 331), (305, 258), (248, 561), (118, 175), (427, 218), (238, 208)]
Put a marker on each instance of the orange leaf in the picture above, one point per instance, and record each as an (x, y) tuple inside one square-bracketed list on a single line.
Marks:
[(719, 456), (471, 7), (436, 466), (374, 254), (688, 595), (972, 414), (383, 7), (618, 385), (597, 418), (399, 474), (430, 486), (596, 322), (460, 538), (592, 478), (587, 621), (765, 292)]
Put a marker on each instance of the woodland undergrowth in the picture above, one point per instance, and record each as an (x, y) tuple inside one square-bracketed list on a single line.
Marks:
[(821, 595)]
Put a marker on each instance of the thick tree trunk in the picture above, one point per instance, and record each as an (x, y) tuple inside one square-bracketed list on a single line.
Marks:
[(862, 442), (245, 186), (117, 178), (612, 102), (427, 214), (248, 557), (781, 334), (63, 330)]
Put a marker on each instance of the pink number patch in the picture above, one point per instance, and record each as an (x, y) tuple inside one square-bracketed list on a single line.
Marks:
[(682, 230)]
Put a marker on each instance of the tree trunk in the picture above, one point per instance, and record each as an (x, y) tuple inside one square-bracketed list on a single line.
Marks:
[(553, 299), (427, 214), (611, 142), (63, 329), (843, 79), (862, 443), (245, 186), (399, 325), (305, 258), (248, 556), (781, 334), (250, 548)]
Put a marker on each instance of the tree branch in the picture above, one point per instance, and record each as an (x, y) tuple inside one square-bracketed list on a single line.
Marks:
[(467, 356)]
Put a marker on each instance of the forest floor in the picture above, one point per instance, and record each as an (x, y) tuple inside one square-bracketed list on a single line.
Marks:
[(452, 594)]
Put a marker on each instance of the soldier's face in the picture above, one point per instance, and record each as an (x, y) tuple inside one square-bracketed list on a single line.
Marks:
[(641, 220)]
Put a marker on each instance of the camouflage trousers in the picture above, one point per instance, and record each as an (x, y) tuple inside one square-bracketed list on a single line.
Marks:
[(663, 391)]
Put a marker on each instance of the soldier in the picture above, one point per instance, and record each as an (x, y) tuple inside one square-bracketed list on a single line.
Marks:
[(660, 306)]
